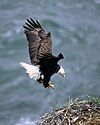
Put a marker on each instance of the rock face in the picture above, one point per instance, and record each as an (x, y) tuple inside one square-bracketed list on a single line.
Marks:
[(74, 113)]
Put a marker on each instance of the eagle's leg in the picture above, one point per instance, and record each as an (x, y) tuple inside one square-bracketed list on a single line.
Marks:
[(47, 83)]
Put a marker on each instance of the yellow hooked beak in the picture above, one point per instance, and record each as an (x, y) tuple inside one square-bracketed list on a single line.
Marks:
[(63, 75)]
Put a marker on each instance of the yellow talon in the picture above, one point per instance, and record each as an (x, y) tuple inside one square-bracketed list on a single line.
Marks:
[(51, 85)]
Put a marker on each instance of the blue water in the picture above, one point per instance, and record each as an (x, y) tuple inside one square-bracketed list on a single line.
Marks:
[(75, 28)]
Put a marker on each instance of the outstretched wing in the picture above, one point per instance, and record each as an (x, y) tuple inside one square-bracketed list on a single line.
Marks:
[(39, 41)]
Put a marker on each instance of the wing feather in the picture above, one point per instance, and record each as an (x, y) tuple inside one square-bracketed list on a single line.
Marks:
[(39, 41)]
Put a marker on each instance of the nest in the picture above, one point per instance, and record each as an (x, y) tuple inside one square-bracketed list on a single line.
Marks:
[(74, 113)]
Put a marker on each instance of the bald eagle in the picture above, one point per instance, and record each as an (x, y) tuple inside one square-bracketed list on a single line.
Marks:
[(40, 50)]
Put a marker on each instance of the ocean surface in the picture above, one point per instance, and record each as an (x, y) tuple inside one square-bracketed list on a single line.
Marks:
[(75, 28)]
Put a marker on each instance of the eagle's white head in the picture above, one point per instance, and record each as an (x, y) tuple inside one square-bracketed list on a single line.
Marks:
[(61, 71)]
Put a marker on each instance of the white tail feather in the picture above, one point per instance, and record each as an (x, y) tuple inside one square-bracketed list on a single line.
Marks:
[(33, 71)]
